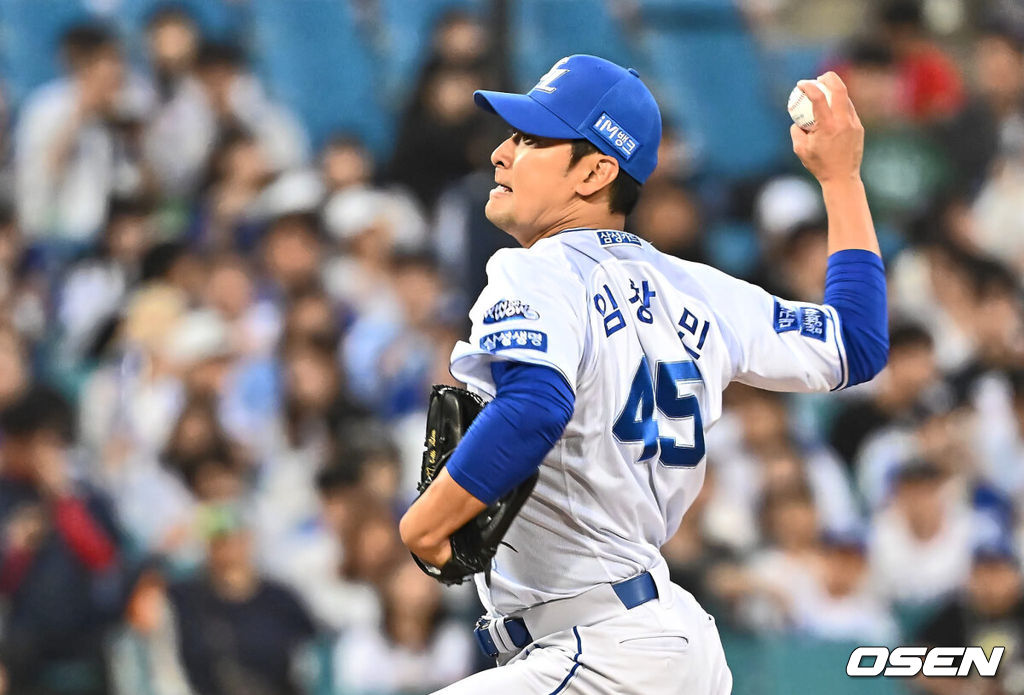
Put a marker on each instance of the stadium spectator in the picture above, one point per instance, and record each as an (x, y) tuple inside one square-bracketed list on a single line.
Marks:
[(845, 606), (71, 143), (237, 630), (440, 133), (711, 571), (345, 162), (931, 85), (313, 416), (220, 97), (795, 264), (463, 237), (758, 453), (200, 354), (414, 650), (175, 265), (903, 167), (11, 254), (311, 562), (460, 40), (439, 128), (157, 497), (933, 283), (984, 130), (290, 251), (97, 285), (997, 326), (311, 316), (675, 157), (253, 323), (785, 574), (172, 43), (989, 612), (230, 217), (398, 350), (668, 215), (8, 182), (144, 656), (997, 216), (15, 377), (997, 433), (920, 543), (133, 399), (935, 429), (910, 371), (60, 541), (368, 226), (783, 204)]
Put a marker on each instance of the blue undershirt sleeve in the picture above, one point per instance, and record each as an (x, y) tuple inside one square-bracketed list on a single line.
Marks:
[(514, 432), (855, 288)]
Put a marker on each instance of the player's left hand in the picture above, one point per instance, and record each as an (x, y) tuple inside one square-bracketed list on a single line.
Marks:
[(834, 149)]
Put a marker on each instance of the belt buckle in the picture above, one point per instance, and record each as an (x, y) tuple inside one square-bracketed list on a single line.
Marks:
[(483, 637)]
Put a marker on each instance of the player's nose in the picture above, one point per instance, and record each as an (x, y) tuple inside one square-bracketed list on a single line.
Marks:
[(502, 154)]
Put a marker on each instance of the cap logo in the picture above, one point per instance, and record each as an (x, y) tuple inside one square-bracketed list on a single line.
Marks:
[(550, 76), (618, 138)]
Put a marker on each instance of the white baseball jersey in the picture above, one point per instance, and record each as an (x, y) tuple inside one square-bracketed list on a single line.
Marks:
[(647, 342)]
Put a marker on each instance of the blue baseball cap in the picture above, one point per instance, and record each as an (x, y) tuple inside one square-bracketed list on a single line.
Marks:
[(587, 97)]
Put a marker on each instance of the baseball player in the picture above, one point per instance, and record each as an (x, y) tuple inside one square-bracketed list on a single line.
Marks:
[(605, 361)]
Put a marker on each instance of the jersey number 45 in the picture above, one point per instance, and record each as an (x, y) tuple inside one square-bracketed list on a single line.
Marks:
[(636, 422)]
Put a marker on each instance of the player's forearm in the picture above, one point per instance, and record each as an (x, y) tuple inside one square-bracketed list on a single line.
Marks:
[(505, 445), (849, 219), (442, 510)]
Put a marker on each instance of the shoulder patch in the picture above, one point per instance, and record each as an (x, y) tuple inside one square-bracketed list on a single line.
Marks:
[(515, 338), (607, 237), (508, 309)]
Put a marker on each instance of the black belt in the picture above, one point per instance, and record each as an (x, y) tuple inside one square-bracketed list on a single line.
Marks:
[(632, 592)]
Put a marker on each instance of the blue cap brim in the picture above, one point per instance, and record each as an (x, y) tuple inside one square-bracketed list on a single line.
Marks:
[(524, 114)]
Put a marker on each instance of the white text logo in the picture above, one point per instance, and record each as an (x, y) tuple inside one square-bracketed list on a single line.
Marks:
[(938, 662), (550, 76)]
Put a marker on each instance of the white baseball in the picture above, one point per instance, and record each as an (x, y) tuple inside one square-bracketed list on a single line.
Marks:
[(800, 108)]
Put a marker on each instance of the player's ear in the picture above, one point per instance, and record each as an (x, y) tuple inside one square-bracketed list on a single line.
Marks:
[(599, 172)]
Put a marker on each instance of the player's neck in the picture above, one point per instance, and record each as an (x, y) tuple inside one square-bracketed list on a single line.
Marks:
[(585, 219)]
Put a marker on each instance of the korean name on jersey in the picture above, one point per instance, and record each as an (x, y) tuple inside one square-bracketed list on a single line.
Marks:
[(647, 342)]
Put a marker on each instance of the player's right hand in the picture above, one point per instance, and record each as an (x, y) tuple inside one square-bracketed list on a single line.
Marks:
[(834, 149)]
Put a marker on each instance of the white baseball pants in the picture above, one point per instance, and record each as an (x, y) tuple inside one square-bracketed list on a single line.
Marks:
[(668, 646)]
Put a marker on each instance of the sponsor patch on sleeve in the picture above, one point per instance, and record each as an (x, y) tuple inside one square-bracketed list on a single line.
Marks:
[(812, 323), (786, 318), (508, 309), (809, 320), (515, 339)]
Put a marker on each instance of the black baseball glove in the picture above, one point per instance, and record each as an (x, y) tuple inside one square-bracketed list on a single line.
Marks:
[(449, 415)]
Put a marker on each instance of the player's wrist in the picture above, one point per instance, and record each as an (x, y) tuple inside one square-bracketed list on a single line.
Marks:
[(840, 183)]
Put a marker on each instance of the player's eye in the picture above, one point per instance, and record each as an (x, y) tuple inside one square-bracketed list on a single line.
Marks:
[(526, 139)]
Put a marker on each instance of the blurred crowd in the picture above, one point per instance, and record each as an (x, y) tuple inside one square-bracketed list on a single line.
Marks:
[(217, 341)]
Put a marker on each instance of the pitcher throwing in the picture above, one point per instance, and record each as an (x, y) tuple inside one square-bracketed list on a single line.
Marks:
[(605, 362)]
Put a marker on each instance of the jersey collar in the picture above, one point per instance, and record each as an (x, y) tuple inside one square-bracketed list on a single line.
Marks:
[(578, 229)]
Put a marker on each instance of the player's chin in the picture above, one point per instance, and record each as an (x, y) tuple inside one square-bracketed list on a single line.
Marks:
[(498, 212)]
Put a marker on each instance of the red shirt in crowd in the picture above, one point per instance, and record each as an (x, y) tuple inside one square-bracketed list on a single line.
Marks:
[(931, 84)]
